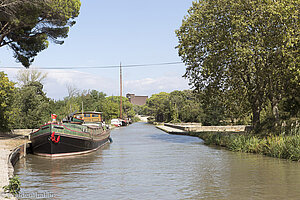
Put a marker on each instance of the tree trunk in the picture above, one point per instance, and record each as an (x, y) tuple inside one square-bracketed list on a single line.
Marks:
[(256, 118), (275, 111)]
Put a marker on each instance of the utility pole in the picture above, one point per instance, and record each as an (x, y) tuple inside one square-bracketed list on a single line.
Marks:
[(121, 91), (82, 110)]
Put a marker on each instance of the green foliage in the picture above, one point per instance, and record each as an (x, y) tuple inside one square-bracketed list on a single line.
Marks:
[(290, 104), (174, 111), (94, 101), (175, 107), (138, 109), (14, 186), (112, 108), (136, 119), (275, 146), (158, 106), (293, 147), (287, 147), (7, 89), (254, 145), (213, 108), (32, 107), (246, 50), (27, 26)]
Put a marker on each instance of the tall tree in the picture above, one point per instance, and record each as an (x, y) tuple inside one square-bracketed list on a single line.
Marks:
[(247, 47), (7, 89), (27, 26), (34, 106), (191, 109), (158, 105)]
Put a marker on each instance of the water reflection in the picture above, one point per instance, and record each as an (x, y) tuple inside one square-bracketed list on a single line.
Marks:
[(175, 138), (145, 163), (40, 174)]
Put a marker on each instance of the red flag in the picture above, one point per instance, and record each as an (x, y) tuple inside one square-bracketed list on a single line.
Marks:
[(53, 116)]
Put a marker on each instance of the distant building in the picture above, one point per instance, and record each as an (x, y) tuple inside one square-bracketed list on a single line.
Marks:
[(137, 100)]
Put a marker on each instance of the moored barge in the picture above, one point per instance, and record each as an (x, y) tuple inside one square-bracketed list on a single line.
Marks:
[(73, 136)]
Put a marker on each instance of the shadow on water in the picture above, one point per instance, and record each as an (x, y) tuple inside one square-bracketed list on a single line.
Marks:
[(176, 138), (46, 178)]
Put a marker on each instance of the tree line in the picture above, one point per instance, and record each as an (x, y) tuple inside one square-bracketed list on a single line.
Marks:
[(209, 109), (205, 108), (26, 105)]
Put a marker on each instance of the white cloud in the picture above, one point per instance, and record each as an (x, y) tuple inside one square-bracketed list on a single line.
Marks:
[(81, 80), (150, 86), (11, 73)]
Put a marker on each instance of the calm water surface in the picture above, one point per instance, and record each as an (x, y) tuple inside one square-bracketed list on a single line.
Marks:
[(145, 163)]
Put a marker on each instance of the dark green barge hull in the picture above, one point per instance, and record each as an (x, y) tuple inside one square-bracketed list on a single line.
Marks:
[(53, 140)]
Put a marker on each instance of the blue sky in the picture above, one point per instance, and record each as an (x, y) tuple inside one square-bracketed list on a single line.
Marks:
[(110, 32)]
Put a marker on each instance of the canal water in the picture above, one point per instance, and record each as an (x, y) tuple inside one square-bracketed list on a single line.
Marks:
[(145, 163)]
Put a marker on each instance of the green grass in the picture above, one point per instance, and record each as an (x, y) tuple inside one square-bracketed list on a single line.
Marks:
[(282, 146)]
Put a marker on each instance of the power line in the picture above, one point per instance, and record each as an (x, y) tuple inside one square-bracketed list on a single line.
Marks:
[(106, 67)]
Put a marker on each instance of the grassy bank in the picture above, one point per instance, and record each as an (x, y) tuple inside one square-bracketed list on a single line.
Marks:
[(282, 146)]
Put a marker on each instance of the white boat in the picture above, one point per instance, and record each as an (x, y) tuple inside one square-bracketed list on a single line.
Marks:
[(116, 122)]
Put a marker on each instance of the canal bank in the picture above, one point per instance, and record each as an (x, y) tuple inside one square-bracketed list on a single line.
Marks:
[(12, 148), (238, 138)]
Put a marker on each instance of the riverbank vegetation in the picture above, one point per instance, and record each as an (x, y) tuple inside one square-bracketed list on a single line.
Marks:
[(279, 146), (191, 106), (282, 141), (14, 186), (25, 104)]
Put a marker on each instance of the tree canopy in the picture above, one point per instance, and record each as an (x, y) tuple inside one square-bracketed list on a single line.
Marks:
[(27, 26), (243, 49), (174, 107)]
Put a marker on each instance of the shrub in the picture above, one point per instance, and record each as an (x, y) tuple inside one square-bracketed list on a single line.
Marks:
[(282, 146), (14, 186)]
